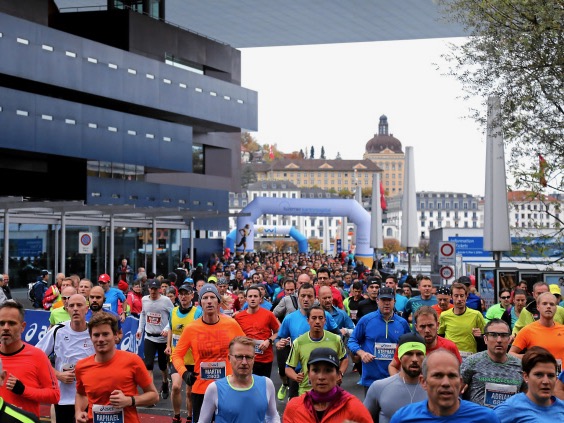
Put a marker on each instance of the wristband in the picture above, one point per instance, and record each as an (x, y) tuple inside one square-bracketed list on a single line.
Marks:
[(18, 388), (270, 341), (132, 401)]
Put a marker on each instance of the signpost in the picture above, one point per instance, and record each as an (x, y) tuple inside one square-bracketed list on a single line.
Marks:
[(447, 253), (85, 242), (446, 272)]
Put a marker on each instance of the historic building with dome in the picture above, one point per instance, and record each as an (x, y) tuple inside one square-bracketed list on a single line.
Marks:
[(386, 151)]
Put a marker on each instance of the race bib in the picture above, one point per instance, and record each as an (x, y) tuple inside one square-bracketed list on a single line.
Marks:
[(496, 393), (353, 314), (212, 370), (384, 350), (68, 367), (175, 339), (257, 349), (154, 319), (106, 306), (107, 413), (465, 354)]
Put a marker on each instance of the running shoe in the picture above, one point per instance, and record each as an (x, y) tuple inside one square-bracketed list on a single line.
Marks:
[(282, 392), (164, 390)]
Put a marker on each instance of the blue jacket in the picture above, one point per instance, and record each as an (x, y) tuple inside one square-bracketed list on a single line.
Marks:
[(370, 331)]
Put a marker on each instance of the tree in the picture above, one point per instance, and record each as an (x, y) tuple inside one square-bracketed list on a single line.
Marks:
[(391, 246), (302, 155), (322, 156), (345, 193), (338, 157), (516, 52), (248, 176), (314, 244), (249, 142), (367, 192), (312, 153)]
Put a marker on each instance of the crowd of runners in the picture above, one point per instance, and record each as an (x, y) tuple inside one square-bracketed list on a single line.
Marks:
[(214, 329)]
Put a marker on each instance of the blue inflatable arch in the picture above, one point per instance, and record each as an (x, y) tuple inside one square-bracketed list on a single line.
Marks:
[(305, 207), (272, 230)]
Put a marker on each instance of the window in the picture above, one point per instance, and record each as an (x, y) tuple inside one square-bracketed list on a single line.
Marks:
[(198, 159)]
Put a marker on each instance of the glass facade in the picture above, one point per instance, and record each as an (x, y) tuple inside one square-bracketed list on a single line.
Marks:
[(34, 247)]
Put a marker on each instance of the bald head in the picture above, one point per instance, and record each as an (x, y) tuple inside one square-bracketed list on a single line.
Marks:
[(303, 278), (77, 298)]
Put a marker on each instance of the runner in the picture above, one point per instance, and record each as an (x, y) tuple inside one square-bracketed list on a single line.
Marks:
[(539, 403), (107, 382), (375, 338), (326, 402), (11, 414), (243, 396), (462, 325), (440, 377), (303, 345), (492, 376), (262, 326), (31, 379), (154, 323), (209, 339), (180, 318), (427, 324), (386, 396), (68, 342)]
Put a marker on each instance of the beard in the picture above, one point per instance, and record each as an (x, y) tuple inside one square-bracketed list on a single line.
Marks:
[(95, 307), (411, 372)]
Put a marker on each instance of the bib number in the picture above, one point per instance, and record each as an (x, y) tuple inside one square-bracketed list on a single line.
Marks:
[(497, 393), (212, 370), (107, 413), (384, 350)]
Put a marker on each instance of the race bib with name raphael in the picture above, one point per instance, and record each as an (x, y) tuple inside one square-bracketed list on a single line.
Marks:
[(107, 413), (212, 370)]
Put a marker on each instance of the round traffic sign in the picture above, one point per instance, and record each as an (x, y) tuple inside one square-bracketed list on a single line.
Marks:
[(85, 239), (446, 272), (447, 249)]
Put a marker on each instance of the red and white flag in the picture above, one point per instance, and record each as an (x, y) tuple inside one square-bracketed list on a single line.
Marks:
[(382, 198), (271, 153)]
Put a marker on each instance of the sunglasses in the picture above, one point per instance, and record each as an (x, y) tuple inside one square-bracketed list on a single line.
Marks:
[(65, 298), (505, 298)]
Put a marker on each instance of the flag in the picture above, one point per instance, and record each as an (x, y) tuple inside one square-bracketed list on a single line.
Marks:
[(542, 170), (382, 198), (271, 153)]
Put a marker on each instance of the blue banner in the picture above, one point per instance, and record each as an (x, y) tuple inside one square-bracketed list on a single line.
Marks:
[(471, 246), (37, 325)]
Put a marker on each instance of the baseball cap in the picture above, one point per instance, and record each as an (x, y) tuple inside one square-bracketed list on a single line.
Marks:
[(222, 281), (465, 280), (45, 272), (326, 355), (443, 290), (555, 289), (209, 287), (188, 280), (104, 277), (386, 292), (155, 283), (409, 342), (212, 279), (186, 287)]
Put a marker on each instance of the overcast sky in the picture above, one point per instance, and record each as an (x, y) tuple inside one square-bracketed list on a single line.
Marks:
[(333, 96)]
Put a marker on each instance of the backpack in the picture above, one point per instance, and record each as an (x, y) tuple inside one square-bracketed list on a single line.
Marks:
[(31, 291)]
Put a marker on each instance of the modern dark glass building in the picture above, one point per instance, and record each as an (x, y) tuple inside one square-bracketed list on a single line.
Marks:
[(108, 109)]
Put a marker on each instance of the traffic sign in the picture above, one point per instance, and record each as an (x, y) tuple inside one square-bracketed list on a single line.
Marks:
[(447, 253), (85, 242), (446, 272)]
